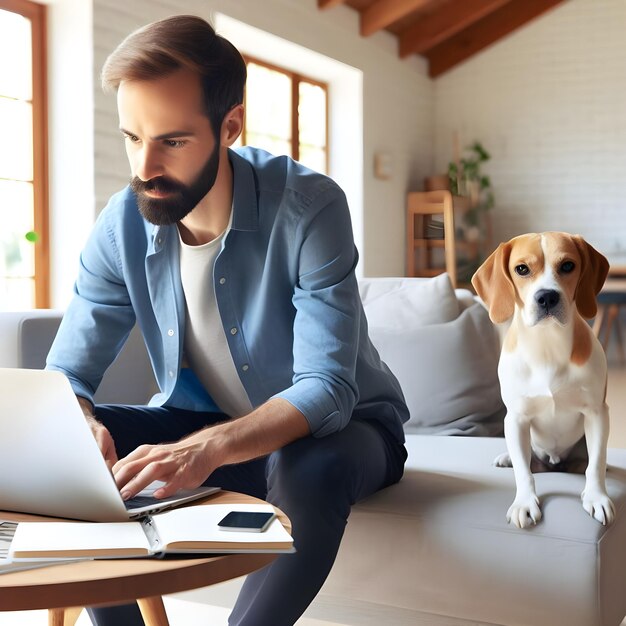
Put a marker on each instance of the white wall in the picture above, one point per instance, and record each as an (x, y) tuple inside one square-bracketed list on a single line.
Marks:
[(71, 140), (397, 111), (549, 103)]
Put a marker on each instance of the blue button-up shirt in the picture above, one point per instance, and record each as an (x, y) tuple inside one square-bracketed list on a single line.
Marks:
[(286, 292)]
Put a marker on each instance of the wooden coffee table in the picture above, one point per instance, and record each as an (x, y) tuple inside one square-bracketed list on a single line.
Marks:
[(65, 589)]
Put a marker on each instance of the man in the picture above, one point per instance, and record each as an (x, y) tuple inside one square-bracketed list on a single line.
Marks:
[(239, 269)]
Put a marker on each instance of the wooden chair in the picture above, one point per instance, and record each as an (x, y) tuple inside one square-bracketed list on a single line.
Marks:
[(427, 211)]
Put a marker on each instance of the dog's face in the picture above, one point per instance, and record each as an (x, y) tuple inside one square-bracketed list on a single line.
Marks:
[(545, 275)]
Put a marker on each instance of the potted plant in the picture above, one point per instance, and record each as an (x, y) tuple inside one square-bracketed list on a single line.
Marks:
[(466, 179)]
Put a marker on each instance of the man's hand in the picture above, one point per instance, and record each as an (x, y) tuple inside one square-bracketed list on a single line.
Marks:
[(187, 463), (100, 432)]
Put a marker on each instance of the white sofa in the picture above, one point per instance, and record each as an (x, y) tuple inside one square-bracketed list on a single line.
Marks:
[(434, 549)]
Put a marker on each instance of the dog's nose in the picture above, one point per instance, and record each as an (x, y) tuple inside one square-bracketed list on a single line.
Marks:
[(547, 298)]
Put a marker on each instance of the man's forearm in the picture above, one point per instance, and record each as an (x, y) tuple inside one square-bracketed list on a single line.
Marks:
[(268, 428)]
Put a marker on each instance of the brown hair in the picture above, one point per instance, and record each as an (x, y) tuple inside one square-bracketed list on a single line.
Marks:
[(181, 41)]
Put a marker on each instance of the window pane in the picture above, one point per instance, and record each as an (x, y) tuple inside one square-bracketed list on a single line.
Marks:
[(16, 53), (16, 294), (17, 255), (16, 130), (268, 102), (270, 143), (312, 114), (313, 157)]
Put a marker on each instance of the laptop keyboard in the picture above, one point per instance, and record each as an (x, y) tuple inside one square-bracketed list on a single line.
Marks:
[(141, 501)]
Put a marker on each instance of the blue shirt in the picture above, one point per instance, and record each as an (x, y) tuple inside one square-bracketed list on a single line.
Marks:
[(286, 292)]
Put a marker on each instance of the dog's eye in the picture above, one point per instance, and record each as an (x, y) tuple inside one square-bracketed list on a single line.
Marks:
[(567, 267), (522, 270)]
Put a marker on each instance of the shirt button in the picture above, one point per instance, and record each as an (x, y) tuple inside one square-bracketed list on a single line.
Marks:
[(233, 331), (245, 367), (171, 373), (159, 241), (222, 280), (170, 332)]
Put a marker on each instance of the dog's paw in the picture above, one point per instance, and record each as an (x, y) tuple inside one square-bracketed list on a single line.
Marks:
[(503, 460), (599, 506), (525, 512)]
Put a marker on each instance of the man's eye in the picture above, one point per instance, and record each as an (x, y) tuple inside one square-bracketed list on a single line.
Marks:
[(174, 143), (522, 269), (567, 267), (131, 138)]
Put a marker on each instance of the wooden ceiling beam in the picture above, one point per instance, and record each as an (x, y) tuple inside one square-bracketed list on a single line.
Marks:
[(450, 19), (483, 33), (382, 13), (327, 4)]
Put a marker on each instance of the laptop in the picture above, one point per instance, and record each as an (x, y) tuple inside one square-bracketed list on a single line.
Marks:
[(50, 463)]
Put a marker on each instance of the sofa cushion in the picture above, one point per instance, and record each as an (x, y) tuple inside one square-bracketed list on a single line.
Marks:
[(438, 541), (401, 303), (448, 372)]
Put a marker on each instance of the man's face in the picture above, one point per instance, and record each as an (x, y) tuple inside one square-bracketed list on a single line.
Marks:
[(173, 155)]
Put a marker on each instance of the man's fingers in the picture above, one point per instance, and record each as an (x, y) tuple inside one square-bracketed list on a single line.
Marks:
[(140, 480), (104, 440)]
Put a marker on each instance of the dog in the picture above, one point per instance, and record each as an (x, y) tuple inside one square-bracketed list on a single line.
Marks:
[(552, 368)]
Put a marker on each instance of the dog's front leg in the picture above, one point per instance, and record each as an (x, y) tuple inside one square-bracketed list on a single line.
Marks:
[(525, 509), (595, 498)]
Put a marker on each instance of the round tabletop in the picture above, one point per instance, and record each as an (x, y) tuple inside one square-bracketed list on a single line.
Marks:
[(86, 583)]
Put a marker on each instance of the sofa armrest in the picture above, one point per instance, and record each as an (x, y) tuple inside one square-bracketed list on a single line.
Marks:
[(26, 337)]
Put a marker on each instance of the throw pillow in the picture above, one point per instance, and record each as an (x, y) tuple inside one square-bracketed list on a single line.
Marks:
[(402, 303), (448, 373)]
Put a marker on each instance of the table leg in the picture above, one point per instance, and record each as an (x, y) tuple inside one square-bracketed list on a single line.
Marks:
[(153, 611), (64, 617)]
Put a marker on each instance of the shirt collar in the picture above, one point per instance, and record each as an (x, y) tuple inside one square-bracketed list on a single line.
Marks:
[(245, 194)]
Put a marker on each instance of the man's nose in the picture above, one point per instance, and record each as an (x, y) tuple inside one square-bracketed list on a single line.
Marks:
[(147, 163)]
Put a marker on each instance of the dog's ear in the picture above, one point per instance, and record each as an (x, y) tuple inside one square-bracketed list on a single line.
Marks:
[(493, 284), (593, 273)]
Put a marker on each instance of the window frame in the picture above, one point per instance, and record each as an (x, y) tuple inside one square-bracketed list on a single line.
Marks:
[(36, 14), (296, 79)]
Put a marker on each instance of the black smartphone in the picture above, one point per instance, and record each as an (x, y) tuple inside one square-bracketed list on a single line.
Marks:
[(250, 521)]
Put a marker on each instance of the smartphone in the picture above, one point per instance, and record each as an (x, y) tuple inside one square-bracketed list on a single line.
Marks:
[(247, 521)]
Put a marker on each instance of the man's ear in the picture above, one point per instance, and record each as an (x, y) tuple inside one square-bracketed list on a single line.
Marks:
[(232, 125)]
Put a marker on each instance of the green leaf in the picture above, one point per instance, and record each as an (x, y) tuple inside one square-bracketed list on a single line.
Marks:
[(32, 236)]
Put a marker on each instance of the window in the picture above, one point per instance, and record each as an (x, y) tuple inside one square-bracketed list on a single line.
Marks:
[(286, 113), (24, 274)]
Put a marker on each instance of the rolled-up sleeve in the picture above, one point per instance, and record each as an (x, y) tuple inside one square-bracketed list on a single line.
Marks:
[(326, 325)]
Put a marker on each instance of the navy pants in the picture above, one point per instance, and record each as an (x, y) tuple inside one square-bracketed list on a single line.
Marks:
[(314, 481)]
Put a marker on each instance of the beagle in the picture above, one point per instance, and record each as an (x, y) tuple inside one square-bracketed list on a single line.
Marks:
[(552, 369)]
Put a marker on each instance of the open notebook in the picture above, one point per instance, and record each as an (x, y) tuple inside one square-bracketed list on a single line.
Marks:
[(192, 529)]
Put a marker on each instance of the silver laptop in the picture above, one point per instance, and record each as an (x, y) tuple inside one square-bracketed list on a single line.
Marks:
[(50, 463)]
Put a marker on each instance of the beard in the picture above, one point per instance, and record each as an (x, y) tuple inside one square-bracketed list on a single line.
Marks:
[(183, 198)]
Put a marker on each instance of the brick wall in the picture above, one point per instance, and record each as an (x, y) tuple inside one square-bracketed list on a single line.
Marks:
[(549, 102)]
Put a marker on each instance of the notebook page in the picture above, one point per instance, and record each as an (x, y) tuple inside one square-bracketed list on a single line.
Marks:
[(198, 524), (79, 539)]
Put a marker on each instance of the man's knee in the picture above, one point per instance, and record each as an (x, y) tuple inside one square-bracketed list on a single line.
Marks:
[(309, 471)]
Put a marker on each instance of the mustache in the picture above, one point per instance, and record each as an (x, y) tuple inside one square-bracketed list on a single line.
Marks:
[(159, 184)]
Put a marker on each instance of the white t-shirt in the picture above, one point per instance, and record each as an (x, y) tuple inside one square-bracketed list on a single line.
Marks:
[(206, 346)]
